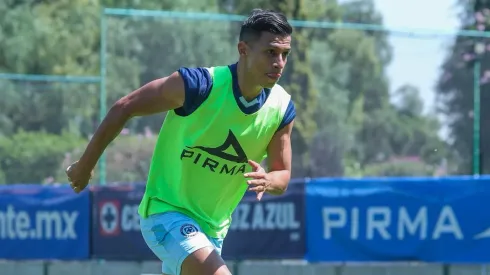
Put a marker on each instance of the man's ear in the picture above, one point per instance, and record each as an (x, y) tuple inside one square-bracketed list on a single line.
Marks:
[(242, 48)]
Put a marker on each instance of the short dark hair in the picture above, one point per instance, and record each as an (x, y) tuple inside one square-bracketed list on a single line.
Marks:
[(264, 21)]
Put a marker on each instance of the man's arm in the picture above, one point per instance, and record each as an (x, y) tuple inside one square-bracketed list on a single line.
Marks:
[(157, 96), (279, 155)]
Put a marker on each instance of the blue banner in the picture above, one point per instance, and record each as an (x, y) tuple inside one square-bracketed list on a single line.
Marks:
[(116, 231), (43, 222), (272, 228), (432, 220)]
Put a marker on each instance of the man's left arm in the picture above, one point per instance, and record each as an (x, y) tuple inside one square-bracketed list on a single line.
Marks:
[(279, 155)]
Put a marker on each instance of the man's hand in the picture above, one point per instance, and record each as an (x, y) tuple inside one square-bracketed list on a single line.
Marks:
[(259, 181), (274, 182), (78, 177)]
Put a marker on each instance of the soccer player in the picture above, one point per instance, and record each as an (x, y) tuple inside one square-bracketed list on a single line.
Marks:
[(221, 123)]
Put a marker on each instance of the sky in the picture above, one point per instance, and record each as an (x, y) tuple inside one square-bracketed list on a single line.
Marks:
[(417, 61)]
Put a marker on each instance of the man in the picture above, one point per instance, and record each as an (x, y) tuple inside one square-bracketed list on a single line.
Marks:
[(221, 123)]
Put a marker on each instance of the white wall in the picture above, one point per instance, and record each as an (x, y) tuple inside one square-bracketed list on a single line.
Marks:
[(244, 268)]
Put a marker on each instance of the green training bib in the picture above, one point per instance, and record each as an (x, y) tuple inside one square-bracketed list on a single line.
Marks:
[(199, 160)]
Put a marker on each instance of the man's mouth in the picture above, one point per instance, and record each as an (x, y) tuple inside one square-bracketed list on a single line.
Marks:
[(274, 75)]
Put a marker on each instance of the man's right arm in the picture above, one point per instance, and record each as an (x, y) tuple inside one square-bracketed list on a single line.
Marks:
[(157, 96)]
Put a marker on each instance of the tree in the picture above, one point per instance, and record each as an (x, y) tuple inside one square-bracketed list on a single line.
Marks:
[(346, 123), (455, 87), (359, 126), (298, 78), (34, 157), (351, 76), (45, 44), (416, 133), (141, 49), (338, 81), (63, 39)]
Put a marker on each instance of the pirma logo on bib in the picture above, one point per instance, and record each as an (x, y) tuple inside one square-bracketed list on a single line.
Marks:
[(218, 159)]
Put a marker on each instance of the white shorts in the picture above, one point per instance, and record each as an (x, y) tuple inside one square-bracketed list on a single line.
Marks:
[(173, 236)]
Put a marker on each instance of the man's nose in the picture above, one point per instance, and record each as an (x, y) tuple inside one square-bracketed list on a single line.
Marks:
[(279, 62)]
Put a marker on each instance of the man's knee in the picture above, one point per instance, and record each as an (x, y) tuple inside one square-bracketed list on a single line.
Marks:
[(204, 261)]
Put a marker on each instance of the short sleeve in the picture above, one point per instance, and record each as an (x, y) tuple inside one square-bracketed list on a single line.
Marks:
[(289, 115), (198, 83)]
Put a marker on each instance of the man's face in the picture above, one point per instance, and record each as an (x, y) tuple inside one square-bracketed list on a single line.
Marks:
[(266, 57)]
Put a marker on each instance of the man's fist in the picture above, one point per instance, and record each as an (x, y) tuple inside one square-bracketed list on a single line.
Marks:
[(78, 177)]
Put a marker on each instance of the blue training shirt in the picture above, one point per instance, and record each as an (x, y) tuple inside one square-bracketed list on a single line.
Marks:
[(198, 84)]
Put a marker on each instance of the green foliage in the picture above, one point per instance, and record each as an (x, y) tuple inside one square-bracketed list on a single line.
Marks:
[(142, 49), (347, 122), (2, 177), (33, 157), (399, 168), (128, 158), (299, 78), (47, 106), (456, 86)]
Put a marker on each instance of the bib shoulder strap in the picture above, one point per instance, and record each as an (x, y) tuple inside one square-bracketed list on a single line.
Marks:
[(220, 74)]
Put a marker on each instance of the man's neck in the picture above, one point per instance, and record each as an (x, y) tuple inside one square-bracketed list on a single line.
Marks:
[(247, 87)]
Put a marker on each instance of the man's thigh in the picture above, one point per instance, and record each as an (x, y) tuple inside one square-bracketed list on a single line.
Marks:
[(173, 237), (205, 261)]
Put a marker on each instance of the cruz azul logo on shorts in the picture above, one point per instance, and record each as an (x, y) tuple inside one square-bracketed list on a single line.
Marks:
[(188, 230), (218, 159)]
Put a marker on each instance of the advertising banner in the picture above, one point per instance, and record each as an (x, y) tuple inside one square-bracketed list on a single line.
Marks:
[(44, 222), (116, 231), (273, 228), (431, 220)]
